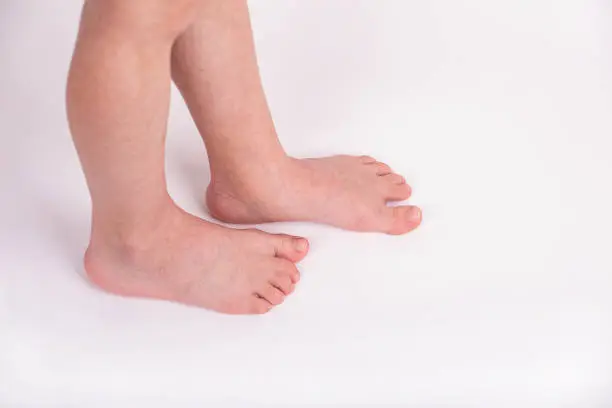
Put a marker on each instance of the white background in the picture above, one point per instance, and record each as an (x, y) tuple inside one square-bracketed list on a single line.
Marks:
[(500, 115)]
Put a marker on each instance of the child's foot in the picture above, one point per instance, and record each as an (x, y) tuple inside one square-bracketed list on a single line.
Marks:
[(345, 191), (184, 259)]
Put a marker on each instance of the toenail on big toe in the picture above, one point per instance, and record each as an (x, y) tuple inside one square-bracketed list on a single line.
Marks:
[(405, 219), (300, 244), (292, 248), (414, 214)]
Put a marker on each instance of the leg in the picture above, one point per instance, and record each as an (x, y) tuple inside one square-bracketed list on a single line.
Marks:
[(253, 180), (142, 244)]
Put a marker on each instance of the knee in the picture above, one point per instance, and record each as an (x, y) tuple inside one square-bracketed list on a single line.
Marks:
[(145, 19)]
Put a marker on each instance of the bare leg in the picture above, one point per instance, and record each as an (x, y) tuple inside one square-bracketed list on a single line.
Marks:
[(253, 180), (142, 244)]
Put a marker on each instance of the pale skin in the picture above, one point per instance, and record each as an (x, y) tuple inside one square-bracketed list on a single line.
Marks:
[(142, 244)]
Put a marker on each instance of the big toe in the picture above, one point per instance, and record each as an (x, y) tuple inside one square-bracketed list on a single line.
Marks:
[(402, 219), (291, 248)]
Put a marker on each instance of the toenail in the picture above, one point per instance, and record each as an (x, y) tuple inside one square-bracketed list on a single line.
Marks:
[(300, 244), (414, 213)]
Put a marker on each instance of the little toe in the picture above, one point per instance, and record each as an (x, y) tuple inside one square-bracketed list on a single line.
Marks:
[(397, 192), (272, 295), (400, 220), (394, 178), (292, 248)]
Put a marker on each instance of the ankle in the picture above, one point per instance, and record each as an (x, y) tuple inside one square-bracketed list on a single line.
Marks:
[(250, 173), (132, 232), (246, 160)]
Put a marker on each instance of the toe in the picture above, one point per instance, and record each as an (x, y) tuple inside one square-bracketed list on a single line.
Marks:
[(283, 268), (400, 220), (272, 295), (291, 248), (258, 305), (394, 179), (397, 192), (367, 159), (381, 169), (283, 283)]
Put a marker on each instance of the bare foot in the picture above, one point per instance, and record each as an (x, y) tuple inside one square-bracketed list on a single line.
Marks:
[(187, 260), (349, 192)]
